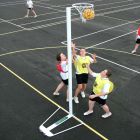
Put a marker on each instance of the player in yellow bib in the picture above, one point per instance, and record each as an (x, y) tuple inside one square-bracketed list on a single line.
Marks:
[(101, 88), (80, 62)]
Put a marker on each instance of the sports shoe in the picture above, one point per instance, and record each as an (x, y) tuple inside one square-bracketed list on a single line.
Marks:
[(106, 115), (56, 93), (83, 94), (88, 112), (76, 100), (26, 16), (35, 16), (133, 52)]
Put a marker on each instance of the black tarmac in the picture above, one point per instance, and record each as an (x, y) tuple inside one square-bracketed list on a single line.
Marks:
[(28, 48)]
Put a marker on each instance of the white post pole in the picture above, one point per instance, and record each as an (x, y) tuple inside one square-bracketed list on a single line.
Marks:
[(68, 15)]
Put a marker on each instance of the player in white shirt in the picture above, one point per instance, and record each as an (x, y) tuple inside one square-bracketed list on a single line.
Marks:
[(63, 69), (30, 8), (137, 41)]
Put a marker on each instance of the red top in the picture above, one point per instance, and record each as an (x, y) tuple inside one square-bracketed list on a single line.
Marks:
[(138, 31)]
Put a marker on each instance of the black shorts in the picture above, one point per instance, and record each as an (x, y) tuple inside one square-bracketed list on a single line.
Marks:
[(138, 41), (98, 100), (82, 78), (65, 81), (30, 8)]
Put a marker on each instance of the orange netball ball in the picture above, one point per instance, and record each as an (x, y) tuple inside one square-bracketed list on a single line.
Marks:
[(88, 13)]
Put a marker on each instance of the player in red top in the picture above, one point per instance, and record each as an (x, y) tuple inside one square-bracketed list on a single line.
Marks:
[(137, 41)]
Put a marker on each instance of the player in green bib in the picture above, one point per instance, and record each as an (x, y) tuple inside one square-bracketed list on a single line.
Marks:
[(101, 88)]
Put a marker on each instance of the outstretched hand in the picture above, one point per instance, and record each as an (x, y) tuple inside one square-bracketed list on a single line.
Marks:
[(72, 45), (94, 57)]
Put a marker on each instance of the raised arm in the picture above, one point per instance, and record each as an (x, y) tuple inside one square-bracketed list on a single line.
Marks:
[(89, 70), (73, 49), (94, 58)]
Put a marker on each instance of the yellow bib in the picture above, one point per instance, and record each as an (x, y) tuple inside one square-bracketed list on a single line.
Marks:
[(99, 84), (81, 64)]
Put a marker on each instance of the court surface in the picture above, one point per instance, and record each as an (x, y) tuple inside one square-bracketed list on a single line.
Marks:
[(29, 77)]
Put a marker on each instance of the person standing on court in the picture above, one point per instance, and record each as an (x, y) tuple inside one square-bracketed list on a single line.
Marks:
[(80, 63), (30, 8), (101, 88), (137, 41), (62, 67)]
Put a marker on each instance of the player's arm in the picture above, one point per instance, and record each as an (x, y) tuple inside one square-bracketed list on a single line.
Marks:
[(89, 69), (96, 95), (103, 93), (94, 58), (74, 53), (91, 72)]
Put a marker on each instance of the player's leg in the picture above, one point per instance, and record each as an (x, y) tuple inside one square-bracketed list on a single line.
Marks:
[(77, 91), (90, 107), (107, 111), (135, 48), (34, 13), (59, 87), (27, 14), (83, 90)]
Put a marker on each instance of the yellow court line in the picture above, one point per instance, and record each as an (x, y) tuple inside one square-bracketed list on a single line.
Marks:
[(40, 93)]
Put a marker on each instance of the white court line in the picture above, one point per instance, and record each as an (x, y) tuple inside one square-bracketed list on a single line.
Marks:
[(52, 12), (17, 2), (9, 2), (59, 10), (14, 19), (112, 62), (111, 39), (51, 101), (56, 23), (51, 24), (118, 19), (42, 26), (63, 5), (135, 71), (51, 115), (113, 50), (116, 11), (42, 20), (13, 24), (68, 129), (118, 6), (7, 33), (112, 3), (47, 19), (50, 8), (12, 3), (27, 50), (64, 42)]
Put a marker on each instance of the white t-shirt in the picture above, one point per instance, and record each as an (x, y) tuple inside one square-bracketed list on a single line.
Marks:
[(29, 3), (64, 66), (106, 86)]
